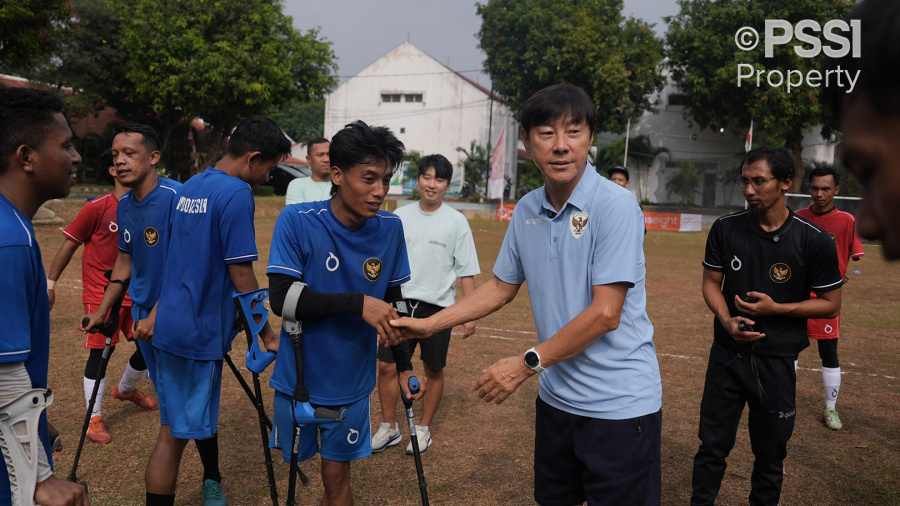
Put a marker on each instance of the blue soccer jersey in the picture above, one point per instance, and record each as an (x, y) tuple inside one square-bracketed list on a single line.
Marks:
[(212, 227), (23, 297), (310, 244), (144, 234)]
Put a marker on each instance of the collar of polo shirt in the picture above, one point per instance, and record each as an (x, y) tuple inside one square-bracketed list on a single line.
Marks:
[(579, 197)]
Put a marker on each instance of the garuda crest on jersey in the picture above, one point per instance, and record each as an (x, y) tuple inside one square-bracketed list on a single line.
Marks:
[(372, 268), (151, 236), (780, 272)]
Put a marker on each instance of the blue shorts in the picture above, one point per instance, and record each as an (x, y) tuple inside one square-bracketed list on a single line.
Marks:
[(188, 392), (338, 441)]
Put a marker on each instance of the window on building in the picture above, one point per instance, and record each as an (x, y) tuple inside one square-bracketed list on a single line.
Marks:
[(412, 97), (390, 97)]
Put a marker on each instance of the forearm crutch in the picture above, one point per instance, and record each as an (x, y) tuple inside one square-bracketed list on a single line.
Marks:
[(303, 412), (108, 328), (251, 308)]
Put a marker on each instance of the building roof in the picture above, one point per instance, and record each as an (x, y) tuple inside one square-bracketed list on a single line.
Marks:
[(489, 93)]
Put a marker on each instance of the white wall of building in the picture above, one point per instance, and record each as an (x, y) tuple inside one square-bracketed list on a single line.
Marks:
[(718, 153), (452, 112)]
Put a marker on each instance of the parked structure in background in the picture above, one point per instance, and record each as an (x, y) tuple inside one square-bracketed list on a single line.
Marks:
[(429, 106), (709, 159)]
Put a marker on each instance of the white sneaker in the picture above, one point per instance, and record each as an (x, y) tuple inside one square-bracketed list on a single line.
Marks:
[(423, 434), (386, 435)]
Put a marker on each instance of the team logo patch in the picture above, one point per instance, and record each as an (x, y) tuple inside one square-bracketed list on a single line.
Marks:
[(151, 236), (352, 436), (780, 273), (578, 224), (127, 236), (372, 268)]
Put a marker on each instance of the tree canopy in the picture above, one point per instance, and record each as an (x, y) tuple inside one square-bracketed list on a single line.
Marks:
[(703, 59), (531, 44)]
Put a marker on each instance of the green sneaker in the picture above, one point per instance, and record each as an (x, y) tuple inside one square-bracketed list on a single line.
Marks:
[(213, 495), (832, 420)]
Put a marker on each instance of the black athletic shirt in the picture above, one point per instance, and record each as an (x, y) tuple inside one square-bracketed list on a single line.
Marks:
[(786, 264)]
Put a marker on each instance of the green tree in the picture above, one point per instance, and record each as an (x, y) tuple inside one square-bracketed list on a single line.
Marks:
[(165, 62), (473, 169), (685, 183), (704, 60), (531, 44), (30, 31), (302, 120)]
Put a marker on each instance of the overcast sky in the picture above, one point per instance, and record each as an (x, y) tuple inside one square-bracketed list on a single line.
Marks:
[(363, 30)]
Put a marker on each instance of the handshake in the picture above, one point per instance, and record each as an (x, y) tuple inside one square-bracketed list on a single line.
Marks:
[(392, 322)]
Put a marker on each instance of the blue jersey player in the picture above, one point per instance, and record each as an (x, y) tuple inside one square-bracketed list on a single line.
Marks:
[(211, 254), (144, 218), (37, 162), (349, 258)]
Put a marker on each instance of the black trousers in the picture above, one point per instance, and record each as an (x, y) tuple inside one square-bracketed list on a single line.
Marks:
[(603, 462), (768, 385)]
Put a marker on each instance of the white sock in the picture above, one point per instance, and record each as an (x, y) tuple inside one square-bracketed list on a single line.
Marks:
[(88, 388), (796, 365), (130, 378), (831, 379)]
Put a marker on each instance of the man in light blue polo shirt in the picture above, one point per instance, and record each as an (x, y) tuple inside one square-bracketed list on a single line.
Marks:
[(578, 241)]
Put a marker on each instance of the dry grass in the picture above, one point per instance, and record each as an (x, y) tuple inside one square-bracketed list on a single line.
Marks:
[(482, 453)]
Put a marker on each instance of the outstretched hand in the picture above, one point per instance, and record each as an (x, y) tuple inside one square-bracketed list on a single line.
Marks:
[(379, 314), (413, 328)]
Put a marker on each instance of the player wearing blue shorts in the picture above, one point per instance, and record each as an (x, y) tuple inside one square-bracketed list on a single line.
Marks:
[(350, 258), (37, 162), (144, 217), (211, 254)]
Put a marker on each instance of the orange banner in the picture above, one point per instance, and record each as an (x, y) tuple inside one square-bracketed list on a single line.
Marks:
[(655, 220), (504, 212)]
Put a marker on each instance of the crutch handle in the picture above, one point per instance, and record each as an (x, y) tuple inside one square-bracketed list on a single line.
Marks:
[(414, 387)]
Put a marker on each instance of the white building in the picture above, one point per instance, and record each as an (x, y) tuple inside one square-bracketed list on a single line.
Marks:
[(717, 155), (429, 106)]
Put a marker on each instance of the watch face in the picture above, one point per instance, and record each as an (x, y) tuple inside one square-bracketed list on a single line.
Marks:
[(531, 359)]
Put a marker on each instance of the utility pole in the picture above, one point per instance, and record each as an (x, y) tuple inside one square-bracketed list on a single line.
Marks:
[(487, 178)]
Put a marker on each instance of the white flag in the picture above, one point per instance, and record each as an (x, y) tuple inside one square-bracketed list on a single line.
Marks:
[(748, 141), (497, 179)]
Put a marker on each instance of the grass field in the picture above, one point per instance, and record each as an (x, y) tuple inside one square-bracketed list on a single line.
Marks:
[(482, 454)]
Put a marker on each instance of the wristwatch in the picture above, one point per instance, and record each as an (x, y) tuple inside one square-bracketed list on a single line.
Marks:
[(533, 361)]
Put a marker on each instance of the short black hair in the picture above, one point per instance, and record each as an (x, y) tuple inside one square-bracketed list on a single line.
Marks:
[(258, 133), (443, 169), (149, 137), (879, 61), (313, 142), (618, 169), (554, 102), (779, 159), (359, 143), (824, 170), (25, 115)]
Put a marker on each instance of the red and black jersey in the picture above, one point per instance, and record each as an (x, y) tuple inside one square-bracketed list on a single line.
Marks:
[(786, 264)]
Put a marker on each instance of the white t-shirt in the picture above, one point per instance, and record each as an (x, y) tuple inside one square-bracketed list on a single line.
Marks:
[(304, 189), (440, 248)]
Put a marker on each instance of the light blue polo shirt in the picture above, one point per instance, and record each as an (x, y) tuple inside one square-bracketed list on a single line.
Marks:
[(597, 239)]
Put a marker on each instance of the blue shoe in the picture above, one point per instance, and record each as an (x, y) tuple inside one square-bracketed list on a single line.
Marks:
[(213, 495)]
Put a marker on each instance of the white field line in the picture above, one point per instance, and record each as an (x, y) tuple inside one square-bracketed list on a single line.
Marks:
[(681, 357)]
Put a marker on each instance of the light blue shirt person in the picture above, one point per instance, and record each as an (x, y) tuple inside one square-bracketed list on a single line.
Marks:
[(595, 239)]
